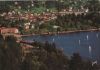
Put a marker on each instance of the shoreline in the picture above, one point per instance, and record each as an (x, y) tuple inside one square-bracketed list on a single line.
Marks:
[(63, 32)]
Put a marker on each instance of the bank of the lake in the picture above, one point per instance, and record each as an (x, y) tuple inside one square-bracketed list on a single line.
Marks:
[(61, 32)]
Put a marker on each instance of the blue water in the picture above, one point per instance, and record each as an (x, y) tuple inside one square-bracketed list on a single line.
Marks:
[(70, 43)]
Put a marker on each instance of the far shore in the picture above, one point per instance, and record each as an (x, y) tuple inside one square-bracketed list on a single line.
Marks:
[(63, 32)]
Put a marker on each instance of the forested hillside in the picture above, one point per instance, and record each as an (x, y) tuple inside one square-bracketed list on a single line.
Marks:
[(45, 57)]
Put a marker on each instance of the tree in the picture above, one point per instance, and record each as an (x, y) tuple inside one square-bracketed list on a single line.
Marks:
[(93, 5), (76, 62), (10, 56)]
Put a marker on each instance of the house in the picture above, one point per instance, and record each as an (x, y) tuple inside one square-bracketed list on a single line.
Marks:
[(10, 32), (26, 25), (4, 30)]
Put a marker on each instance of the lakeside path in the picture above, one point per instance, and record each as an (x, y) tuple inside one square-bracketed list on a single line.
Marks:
[(63, 32)]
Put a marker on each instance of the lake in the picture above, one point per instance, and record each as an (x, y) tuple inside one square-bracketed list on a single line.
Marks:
[(85, 43)]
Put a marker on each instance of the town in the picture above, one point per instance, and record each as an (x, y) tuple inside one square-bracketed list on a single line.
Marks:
[(27, 22)]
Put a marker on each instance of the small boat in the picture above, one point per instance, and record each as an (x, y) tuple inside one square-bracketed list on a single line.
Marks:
[(79, 42), (87, 37), (90, 49), (97, 35), (53, 39)]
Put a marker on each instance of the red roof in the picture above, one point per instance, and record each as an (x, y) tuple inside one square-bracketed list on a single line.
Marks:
[(8, 30)]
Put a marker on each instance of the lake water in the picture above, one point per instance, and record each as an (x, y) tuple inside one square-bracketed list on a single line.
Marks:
[(85, 43)]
